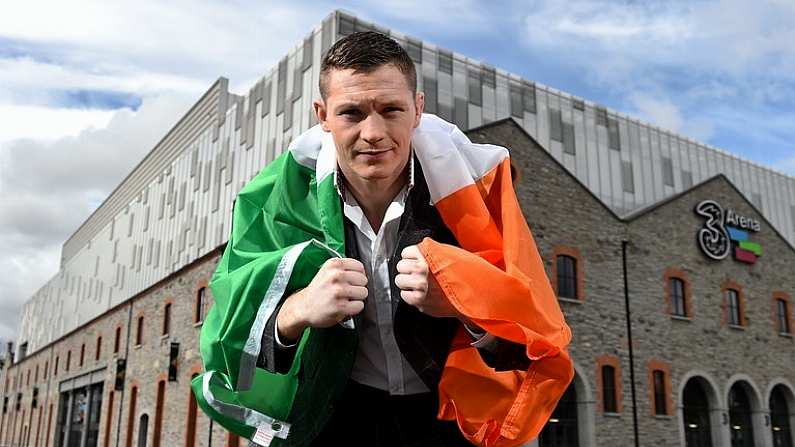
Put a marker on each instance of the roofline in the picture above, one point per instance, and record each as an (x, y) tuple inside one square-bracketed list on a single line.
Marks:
[(630, 217), (549, 155)]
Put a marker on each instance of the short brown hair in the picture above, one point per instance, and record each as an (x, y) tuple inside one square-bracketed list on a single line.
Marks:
[(364, 52)]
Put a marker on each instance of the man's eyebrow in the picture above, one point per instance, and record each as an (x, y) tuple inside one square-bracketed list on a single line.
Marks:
[(390, 102)]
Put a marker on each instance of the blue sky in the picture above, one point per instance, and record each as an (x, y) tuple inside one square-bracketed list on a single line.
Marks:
[(88, 88)]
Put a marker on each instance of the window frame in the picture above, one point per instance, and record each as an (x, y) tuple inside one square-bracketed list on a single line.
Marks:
[(782, 322), (741, 322), (660, 398), (579, 273), (167, 318), (139, 325), (613, 362)]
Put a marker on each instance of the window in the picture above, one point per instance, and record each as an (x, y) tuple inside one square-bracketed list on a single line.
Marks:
[(161, 394), (55, 367), (201, 304), (568, 139), (567, 276), (445, 62), (131, 416), (489, 77), (46, 368), (517, 109), (609, 389), (82, 354), (99, 348), (529, 98), (676, 288), (475, 88), (414, 49), (555, 125), (167, 319), (733, 307), (117, 340), (627, 177), (782, 316), (68, 359), (139, 335), (430, 89), (659, 393), (193, 410), (667, 171), (613, 137)]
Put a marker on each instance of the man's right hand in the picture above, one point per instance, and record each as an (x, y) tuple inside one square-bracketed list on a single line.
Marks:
[(336, 293)]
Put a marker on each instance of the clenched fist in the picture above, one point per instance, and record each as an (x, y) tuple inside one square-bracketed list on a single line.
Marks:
[(419, 288), (336, 293)]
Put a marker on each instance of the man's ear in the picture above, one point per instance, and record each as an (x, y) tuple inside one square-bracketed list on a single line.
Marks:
[(419, 104), (321, 113)]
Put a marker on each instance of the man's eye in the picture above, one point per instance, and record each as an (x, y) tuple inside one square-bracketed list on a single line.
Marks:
[(350, 112)]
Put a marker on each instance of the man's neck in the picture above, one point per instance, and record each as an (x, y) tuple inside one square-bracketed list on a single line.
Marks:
[(375, 196)]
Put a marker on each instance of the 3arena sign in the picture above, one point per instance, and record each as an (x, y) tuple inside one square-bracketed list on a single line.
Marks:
[(725, 232)]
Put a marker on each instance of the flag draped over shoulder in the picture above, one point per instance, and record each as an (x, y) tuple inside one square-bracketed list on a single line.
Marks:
[(287, 221)]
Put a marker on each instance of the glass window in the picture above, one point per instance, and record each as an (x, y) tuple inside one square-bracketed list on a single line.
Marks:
[(167, 319), (676, 288), (569, 146), (345, 26), (201, 304), (782, 312), (414, 49), (139, 335), (627, 176), (613, 136), (429, 88), (117, 340), (555, 125), (475, 87), (461, 113), (601, 116), (307, 60), (578, 104), (98, 353), (733, 305), (281, 86), (660, 405), (529, 98), (609, 389), (517, 110), (567, 276), (489, 77), (667, 171), (445, 62)]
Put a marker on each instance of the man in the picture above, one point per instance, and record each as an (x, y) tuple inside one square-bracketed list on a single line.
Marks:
[(357, 272)]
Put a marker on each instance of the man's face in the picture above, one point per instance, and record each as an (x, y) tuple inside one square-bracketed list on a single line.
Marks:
[(371, 117)]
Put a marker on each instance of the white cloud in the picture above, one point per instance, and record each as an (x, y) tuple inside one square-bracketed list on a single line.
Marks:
[(48, 188), (47, 123)]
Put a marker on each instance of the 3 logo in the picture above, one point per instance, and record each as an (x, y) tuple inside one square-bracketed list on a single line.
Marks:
[(725, 232)]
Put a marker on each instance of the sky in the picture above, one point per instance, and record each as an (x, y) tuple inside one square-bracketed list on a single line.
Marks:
[(88, 87)]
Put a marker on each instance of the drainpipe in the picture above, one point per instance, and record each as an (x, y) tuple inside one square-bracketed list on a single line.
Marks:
[(126, 356), (624, 244)]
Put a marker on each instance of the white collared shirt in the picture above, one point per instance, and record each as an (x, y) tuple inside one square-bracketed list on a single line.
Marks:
[(379, 362)]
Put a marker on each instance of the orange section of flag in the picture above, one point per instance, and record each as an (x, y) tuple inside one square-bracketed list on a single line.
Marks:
[(497, 279)]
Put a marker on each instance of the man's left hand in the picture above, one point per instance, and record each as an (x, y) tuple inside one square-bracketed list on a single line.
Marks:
[(419, 288)]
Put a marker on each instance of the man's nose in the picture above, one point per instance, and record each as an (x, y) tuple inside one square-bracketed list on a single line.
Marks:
[(373, 129)]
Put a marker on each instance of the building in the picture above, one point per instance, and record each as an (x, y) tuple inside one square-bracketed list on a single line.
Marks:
[(712, 344)]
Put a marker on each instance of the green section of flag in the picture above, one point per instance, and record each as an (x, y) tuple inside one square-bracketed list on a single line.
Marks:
[(753, 247)]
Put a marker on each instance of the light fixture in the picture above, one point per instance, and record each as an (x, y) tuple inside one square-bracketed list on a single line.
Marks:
[(692, 425), (554, 420), (736, 427)]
